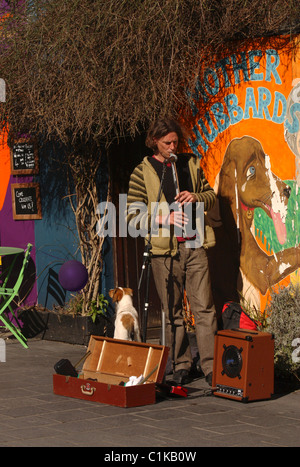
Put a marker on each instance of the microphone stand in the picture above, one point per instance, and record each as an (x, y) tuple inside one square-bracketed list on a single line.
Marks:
[(147, 258)]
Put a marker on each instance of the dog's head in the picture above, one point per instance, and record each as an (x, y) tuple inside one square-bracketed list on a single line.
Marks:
[(246, 176), (118, 293)]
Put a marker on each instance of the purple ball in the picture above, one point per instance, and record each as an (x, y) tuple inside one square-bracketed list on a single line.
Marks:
[(73, 276)]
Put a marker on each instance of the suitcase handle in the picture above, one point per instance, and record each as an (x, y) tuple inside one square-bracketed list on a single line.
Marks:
[(87, 390)]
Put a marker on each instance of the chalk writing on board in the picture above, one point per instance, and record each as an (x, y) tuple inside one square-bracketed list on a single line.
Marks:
[(26, 201), (24, 158)]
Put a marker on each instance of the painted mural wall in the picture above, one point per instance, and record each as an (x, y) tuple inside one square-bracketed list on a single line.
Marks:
[(245, 116)]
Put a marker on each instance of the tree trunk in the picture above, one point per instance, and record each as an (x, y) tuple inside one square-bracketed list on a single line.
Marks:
[(84, 201)]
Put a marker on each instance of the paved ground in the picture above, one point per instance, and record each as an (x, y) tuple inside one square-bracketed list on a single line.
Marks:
[(31, 415)]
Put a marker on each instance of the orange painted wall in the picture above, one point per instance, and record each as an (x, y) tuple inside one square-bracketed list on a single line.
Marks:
[(5, 169), (275, 75)]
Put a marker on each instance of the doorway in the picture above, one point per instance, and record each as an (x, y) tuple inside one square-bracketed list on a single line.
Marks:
[(128, 251)]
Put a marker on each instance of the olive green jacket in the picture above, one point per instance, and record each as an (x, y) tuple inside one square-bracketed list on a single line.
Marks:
[(143, 190)]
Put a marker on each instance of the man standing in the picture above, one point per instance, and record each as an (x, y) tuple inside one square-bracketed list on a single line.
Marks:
[(177, 261)]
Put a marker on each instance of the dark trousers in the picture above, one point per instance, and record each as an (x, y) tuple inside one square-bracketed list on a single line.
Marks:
[(189, 270)]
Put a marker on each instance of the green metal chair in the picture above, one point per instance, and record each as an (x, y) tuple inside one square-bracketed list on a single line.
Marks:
[(8, 294)]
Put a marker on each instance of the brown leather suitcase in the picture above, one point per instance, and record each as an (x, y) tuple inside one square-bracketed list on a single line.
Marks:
[(108, 368), (243, 365)]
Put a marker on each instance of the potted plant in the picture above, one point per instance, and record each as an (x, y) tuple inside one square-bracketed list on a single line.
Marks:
[(69, 323)]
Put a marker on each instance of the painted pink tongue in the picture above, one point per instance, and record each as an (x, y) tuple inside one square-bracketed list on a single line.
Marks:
[(279, 226)]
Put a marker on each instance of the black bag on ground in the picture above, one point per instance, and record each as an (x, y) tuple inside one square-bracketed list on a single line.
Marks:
[(65, 367)]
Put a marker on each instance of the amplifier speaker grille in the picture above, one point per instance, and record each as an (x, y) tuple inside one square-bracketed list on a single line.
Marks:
[(243, 365)]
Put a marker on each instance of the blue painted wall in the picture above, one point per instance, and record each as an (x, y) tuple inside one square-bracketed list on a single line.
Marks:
[(56, 239)]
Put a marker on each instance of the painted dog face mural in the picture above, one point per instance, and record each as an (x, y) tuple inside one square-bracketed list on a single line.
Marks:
[(246, 182), (248, 167)]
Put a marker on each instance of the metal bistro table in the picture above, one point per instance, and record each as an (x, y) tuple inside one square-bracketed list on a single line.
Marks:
[(7, 294)]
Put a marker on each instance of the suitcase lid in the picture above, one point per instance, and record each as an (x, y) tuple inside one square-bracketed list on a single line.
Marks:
[(126, 358)]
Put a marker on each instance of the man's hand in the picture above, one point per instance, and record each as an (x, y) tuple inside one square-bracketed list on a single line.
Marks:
[(177, 218), (185, 197)]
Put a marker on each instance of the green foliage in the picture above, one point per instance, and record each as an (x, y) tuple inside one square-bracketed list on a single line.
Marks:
[(284, 323), (94, 307), (98, 307)]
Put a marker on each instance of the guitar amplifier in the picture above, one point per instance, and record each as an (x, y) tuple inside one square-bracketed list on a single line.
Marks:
[(243, 365)]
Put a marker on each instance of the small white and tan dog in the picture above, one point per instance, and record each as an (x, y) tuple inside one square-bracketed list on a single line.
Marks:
[(126, 322)]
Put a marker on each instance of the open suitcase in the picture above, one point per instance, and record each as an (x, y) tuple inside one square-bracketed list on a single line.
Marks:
[(108, 367)]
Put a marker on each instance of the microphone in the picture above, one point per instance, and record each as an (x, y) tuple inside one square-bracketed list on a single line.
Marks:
[(172, 158)]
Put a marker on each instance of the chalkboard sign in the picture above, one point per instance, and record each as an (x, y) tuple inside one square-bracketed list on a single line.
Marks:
[(26, 201), (24, 157)]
